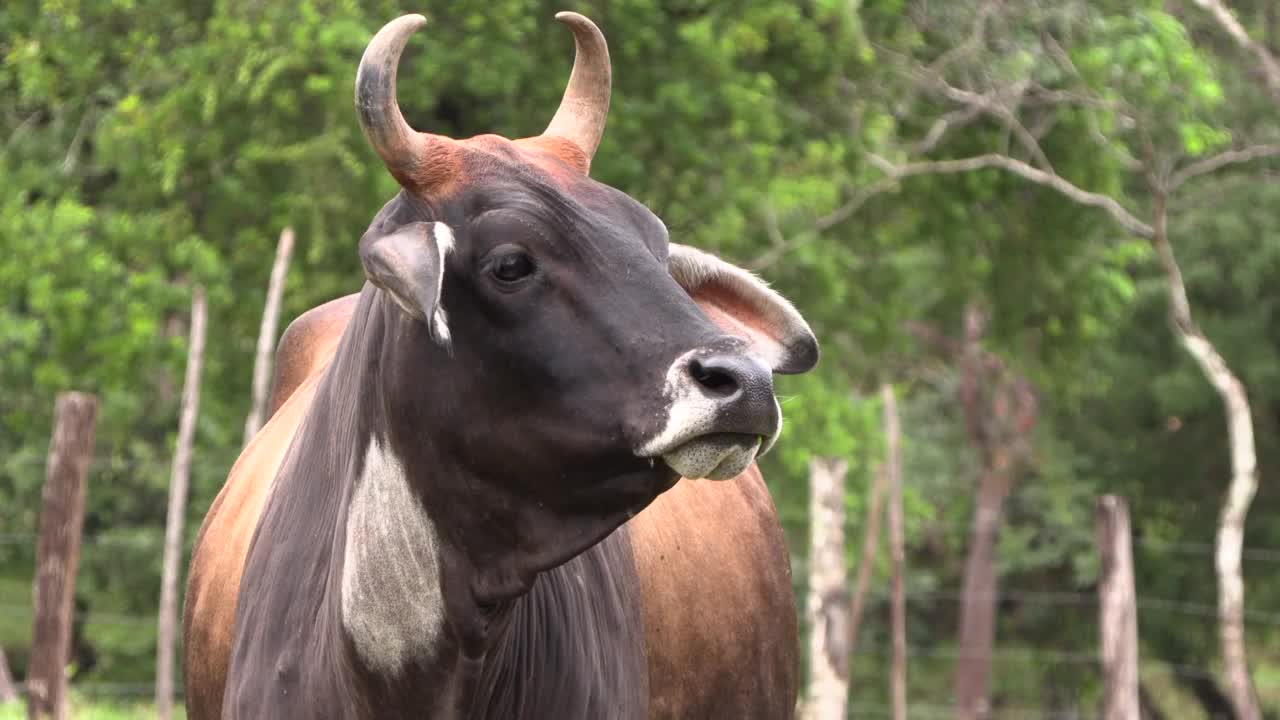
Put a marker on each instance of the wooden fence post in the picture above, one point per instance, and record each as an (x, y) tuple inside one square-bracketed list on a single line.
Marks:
[(828, 605), (7, 691), (1117, 603), (173, 529), (58, 553), (267, 336), (897, 549)]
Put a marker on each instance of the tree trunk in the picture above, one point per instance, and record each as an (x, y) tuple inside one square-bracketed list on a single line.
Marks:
[(897, 551), (267, 336), (1244, 474), (7, 691), (1118, 611), (999, 408), (58, 553), (828, 611), (174, 522), (978, 596)]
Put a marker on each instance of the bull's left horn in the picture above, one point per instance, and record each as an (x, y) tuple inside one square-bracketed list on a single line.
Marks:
[(585, 105)]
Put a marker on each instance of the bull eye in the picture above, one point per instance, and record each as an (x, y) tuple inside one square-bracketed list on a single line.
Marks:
[(512, 267)]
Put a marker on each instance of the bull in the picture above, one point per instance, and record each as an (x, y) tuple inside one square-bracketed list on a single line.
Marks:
[(468, 501)]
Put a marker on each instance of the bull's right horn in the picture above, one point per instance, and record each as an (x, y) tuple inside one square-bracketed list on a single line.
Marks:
[(407, 153)]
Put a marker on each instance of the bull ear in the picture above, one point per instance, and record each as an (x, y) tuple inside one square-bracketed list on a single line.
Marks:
[(743, 305), (408, 264)]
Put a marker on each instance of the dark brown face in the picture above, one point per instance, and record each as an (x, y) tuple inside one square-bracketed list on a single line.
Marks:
[(562, 337), (551, 338)]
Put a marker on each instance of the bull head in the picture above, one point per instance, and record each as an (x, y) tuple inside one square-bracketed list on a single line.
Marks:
[(536, 305)]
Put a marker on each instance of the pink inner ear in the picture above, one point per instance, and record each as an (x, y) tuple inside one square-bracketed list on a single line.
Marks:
[(732, 314)]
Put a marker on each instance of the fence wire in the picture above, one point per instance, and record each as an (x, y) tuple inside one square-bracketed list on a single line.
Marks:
[(1087, 659)]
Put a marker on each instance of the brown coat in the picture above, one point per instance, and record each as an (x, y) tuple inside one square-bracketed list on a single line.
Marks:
[(715, 577)]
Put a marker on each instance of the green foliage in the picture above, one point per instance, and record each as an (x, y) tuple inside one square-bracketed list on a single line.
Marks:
[(1144, 61), (144, 148)]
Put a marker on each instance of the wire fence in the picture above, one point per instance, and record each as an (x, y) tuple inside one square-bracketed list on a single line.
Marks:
[(999, 654), (1083, 659), (108, 690)]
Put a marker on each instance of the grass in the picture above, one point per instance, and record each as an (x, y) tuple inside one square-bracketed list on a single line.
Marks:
[(83, 708)]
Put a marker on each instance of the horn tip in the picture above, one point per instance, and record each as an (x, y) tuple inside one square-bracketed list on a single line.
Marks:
[(416, 20), (404, 25), (574, 19)]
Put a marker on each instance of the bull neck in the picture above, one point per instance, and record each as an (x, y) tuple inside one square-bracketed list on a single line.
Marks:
[(355, 602), (293, 652)]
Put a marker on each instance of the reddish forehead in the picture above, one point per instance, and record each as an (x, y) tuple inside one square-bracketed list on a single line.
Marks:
[(457, 164), (558, 159)]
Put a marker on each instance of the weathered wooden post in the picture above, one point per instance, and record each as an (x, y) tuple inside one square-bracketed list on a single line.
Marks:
[(897, 549), (173, 529), (1118, 610), (7, 691), (828, 605), (58, 553), (267, 336)]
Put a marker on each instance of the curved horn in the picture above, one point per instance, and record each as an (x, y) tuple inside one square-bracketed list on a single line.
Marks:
[(400, 146), (585, 104)]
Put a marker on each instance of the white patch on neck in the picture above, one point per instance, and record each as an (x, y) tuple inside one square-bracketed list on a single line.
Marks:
[(439, 320), (392, 605)]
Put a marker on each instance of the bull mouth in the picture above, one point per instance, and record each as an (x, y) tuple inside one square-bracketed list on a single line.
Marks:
[(717, 456)]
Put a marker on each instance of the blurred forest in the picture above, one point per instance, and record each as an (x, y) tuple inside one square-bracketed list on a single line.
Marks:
[(834, 146)]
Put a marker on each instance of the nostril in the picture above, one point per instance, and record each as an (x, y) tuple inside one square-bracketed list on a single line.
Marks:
[(714, 378)]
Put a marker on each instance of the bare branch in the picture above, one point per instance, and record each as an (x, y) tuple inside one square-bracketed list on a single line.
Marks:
[(1051, 180), (943, 125), (1086, 100), (77, 141), (27, 123), (1244, 472), (1059, 54), (977, 37), (1221, 160), (822, 224), (998, 103), (895, 173), (1025, 137), (1266, 61)]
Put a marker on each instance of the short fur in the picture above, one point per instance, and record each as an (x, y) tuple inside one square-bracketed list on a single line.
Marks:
[(432, 524), (698, 544)]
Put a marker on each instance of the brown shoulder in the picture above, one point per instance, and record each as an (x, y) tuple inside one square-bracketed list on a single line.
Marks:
[(307, 344)]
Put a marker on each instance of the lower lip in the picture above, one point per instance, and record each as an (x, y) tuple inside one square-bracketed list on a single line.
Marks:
[(741, 439)]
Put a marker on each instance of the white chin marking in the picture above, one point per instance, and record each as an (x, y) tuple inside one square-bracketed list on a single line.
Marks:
[(688, 443), (714, 457), (691, 413)]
